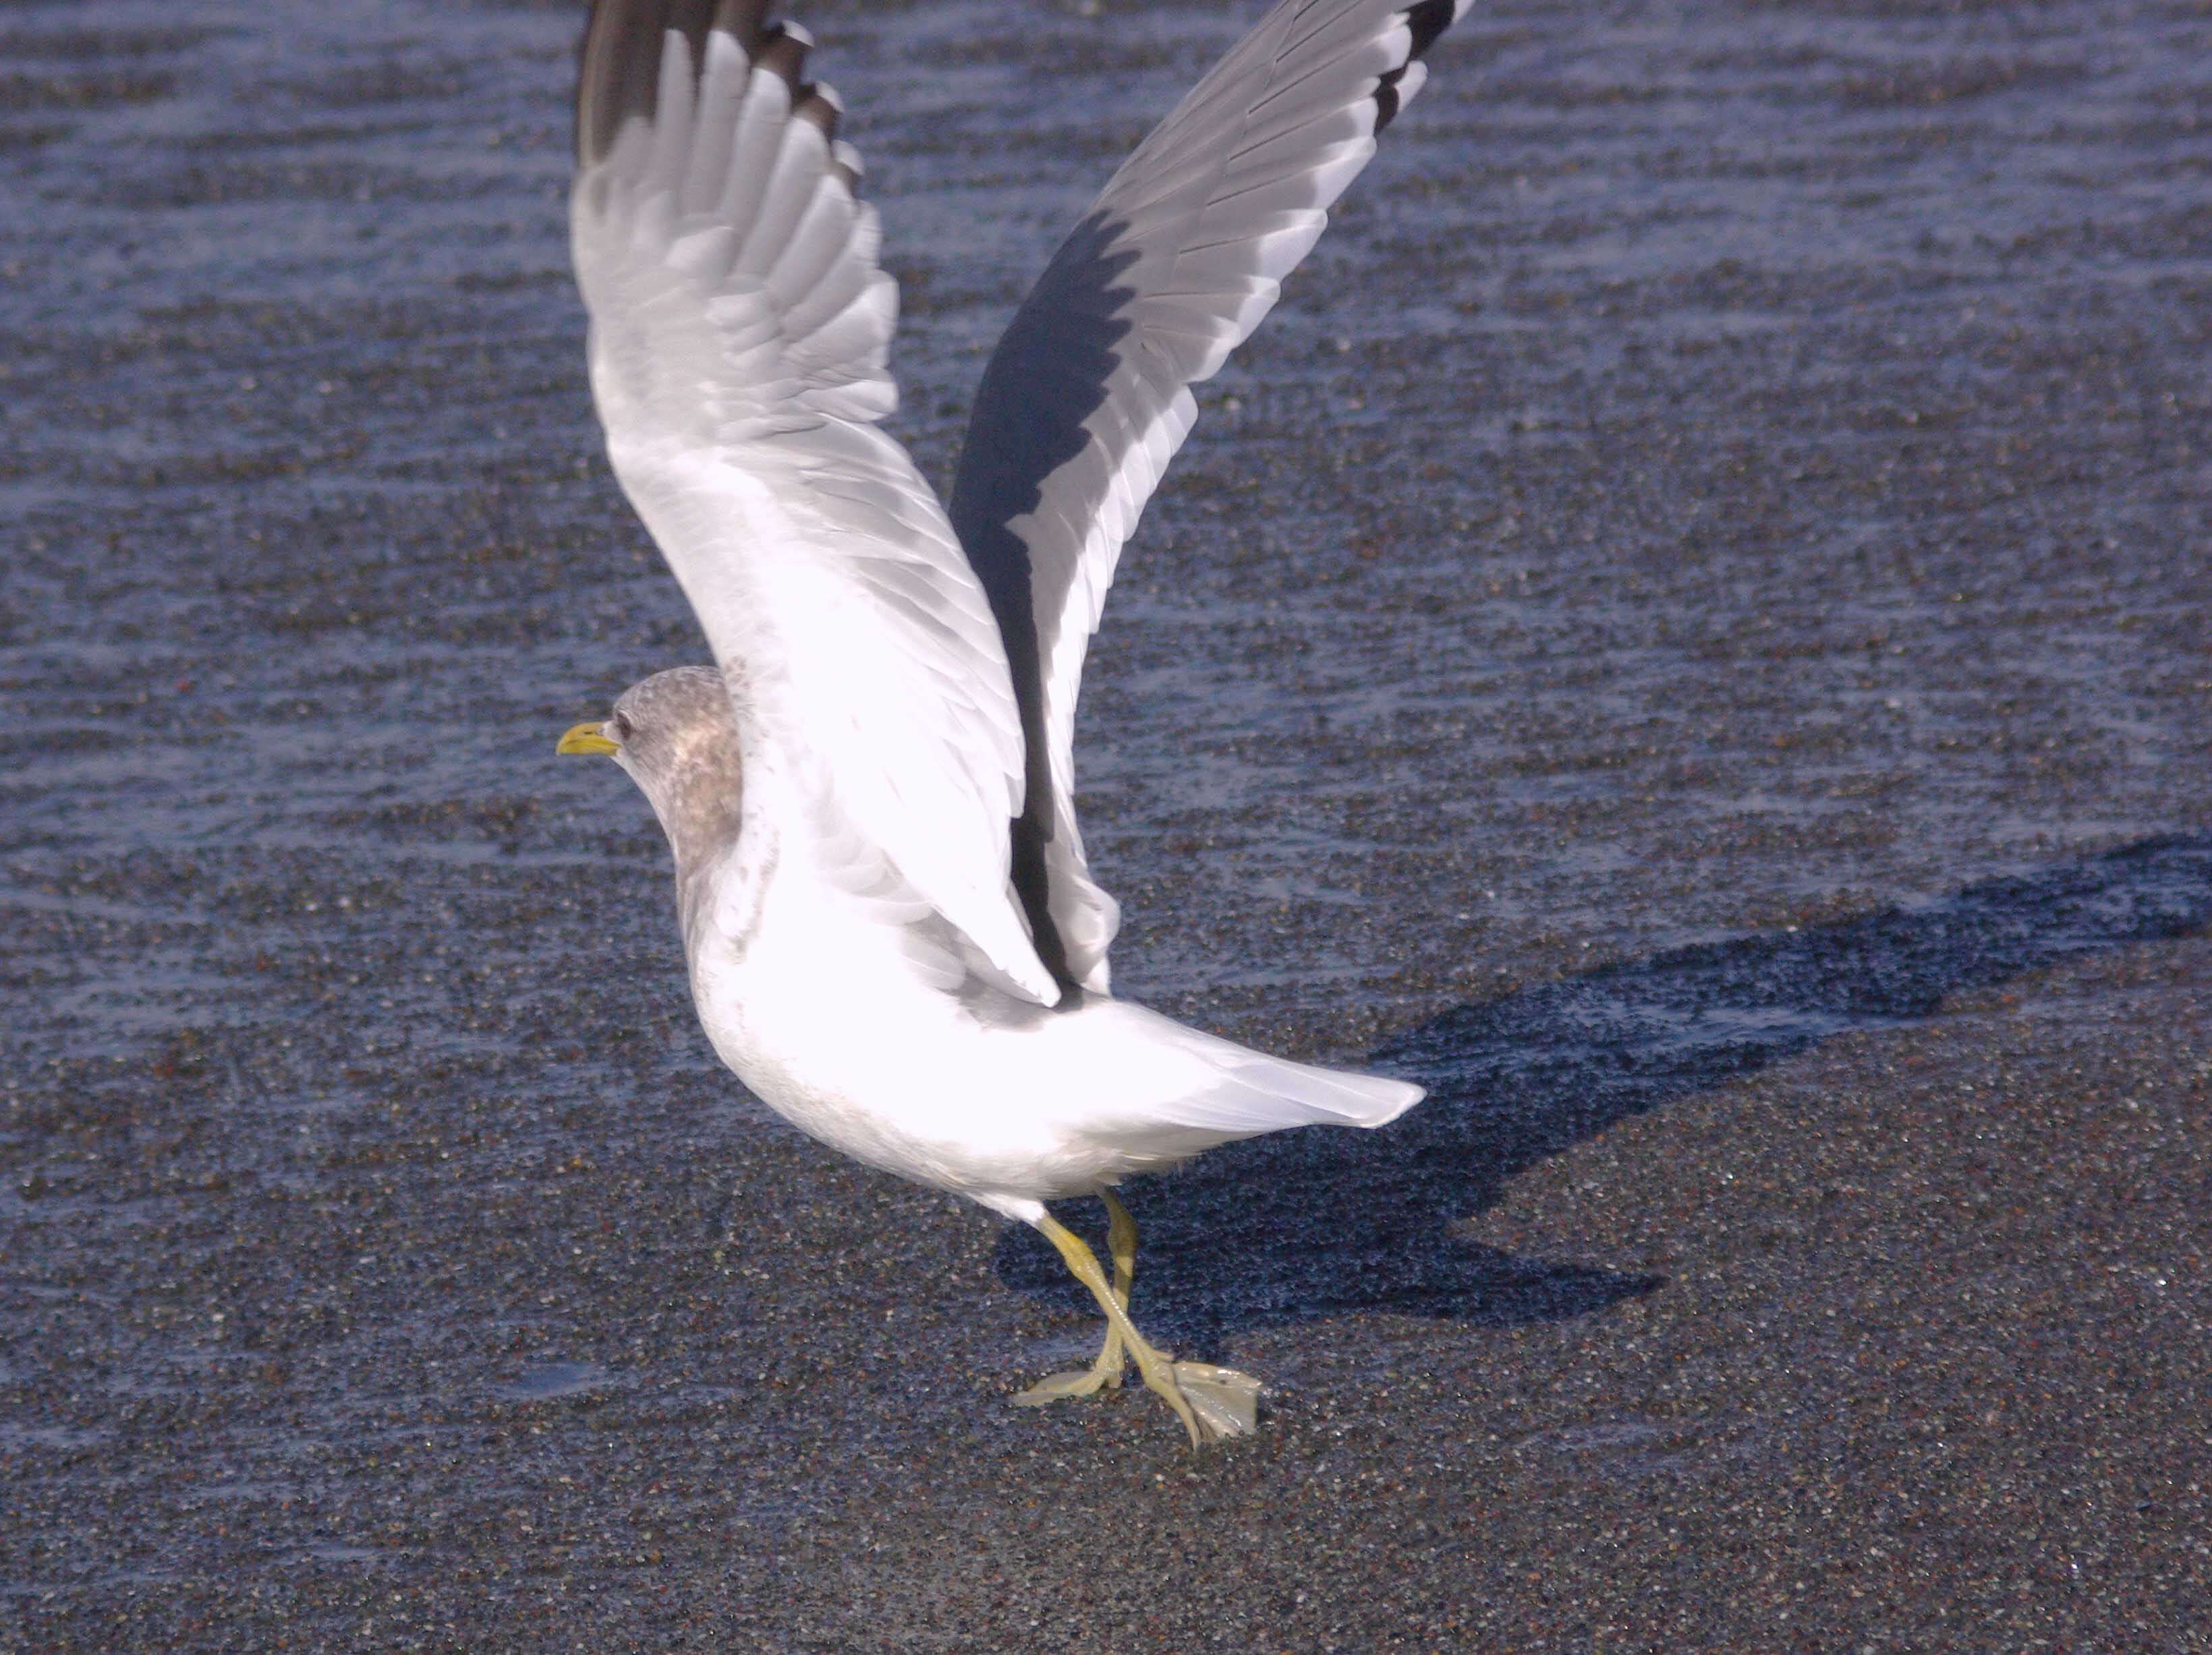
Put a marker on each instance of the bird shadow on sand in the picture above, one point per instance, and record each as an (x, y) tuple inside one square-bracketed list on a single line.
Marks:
[(1309, 1224)]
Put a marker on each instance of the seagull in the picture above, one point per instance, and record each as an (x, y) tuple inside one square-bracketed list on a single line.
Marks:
[(893, 936)]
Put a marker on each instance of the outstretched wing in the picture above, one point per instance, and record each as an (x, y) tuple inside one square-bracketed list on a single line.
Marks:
[(1088, 396), (739, 334)]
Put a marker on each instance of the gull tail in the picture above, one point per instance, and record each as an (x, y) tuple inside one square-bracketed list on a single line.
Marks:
[(1222, 1090), (1259, 1093), (1160, 1093)]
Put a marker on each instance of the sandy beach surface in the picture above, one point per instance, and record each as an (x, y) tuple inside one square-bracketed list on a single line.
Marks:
[(1689, 633)]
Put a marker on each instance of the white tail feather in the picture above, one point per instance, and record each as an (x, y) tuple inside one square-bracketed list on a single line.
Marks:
[(1231, 1091), (1259, 1094)]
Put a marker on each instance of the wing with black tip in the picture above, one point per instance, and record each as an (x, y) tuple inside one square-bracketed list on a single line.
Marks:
[(1088, 396)]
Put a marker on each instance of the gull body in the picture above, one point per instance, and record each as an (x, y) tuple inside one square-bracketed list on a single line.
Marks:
[(893, 936), (848, 1012)]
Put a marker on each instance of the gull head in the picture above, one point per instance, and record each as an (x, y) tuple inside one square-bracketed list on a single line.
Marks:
[(676, 735)]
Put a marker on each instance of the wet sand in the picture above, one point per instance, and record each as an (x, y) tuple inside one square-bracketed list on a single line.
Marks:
[(1689, 632)]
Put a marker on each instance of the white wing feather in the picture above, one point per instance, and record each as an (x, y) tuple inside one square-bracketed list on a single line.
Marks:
[(739, 334)]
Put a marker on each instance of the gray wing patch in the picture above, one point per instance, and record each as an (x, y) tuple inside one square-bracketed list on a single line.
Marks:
[(1087, 397), (1021, 434)]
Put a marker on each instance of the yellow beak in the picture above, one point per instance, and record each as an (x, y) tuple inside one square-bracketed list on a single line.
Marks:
[(586, 739)]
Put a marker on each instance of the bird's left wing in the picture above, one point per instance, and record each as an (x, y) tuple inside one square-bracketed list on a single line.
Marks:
[(1088, 396), (740, 329)]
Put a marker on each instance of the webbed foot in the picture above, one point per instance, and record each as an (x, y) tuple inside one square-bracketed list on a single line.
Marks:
[(1225, 1403), (1081, 1382), (1212, 1403)]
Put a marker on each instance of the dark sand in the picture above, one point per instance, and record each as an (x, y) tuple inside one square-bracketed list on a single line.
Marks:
[(1689, 632)]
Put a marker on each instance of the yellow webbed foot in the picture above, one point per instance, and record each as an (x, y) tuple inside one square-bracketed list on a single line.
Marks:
[(1104, 1374), (1056, 1387), (1212, 1403), (1226, 1402)]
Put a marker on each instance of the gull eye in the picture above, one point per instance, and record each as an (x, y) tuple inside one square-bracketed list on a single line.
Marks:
[(620, 722)]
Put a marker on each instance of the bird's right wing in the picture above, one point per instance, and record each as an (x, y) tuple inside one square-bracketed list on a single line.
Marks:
[(739, 330), (1088, 396)]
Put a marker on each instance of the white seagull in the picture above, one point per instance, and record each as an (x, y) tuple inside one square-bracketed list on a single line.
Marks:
[(894, 938)]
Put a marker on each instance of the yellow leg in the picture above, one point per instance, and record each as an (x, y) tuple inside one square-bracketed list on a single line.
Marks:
[(1104, 1373), (1210, 1402), (1121, 1242)]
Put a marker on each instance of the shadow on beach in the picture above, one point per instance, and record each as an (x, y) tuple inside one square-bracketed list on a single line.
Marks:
[(1304, 1224)]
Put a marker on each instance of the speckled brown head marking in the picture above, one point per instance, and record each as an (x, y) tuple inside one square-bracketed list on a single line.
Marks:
[(678, 738)]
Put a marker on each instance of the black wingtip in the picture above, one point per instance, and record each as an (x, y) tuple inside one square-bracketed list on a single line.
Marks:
[(618, 70), (1425, 21), (745, 21), (618, 61), (1386, 100)]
